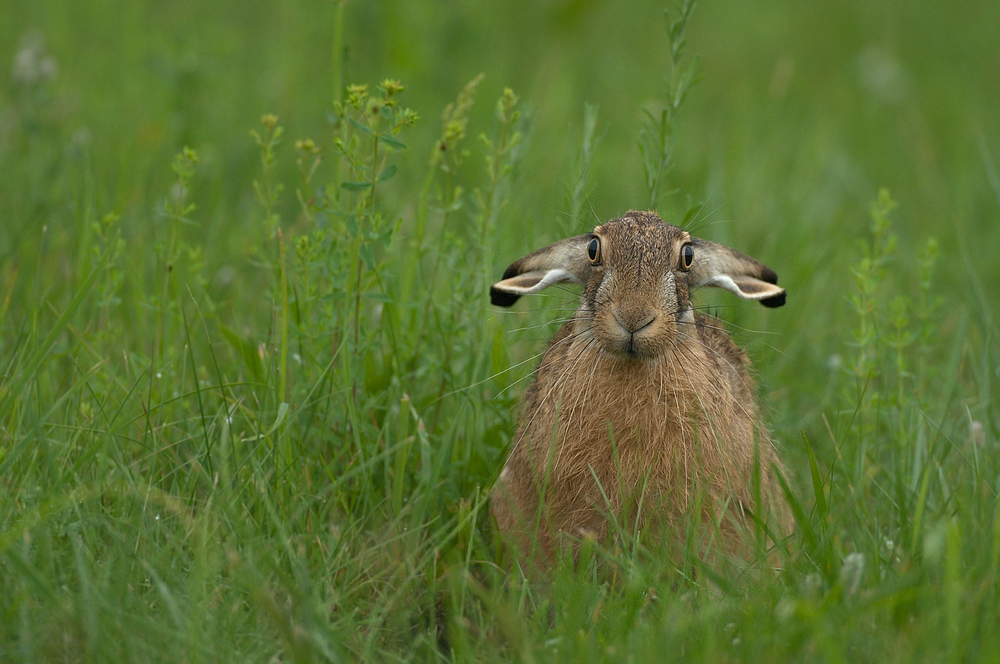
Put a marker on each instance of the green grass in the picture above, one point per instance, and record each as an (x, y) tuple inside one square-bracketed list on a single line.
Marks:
[(248, 413)]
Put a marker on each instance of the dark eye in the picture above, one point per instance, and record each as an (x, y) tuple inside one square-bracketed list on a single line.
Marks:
[(594, 251), (687, 256)]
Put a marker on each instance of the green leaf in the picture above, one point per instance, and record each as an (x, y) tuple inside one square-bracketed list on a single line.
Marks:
[(392, 142), (798, 513), (355, 186), (367, 255), (386, 112), (385, 237), (360, 127), (378, 297), (282, 414), (246, 350), (918, 515), (13, 389), (387, 174), (817, 480)]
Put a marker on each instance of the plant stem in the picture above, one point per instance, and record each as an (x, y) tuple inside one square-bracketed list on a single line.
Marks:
[(371, 216), (282, 390)]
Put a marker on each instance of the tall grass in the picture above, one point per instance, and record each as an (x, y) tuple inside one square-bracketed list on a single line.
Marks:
[(261, 424)]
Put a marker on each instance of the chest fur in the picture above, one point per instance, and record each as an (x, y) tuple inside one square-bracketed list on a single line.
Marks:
[(632, 424)]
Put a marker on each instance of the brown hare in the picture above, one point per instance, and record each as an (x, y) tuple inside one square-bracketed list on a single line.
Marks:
[(641, 405)]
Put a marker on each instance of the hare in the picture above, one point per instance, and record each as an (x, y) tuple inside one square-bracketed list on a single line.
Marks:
[(641, 404)]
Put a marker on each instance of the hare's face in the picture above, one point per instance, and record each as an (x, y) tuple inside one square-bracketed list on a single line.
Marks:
[(636, 274), (636, 298)]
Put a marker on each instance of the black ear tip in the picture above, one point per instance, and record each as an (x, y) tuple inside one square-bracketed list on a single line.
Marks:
[(775, 301), (502, 298)]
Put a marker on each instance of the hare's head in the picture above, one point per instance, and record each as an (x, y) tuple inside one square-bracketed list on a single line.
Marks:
[(637, 273)]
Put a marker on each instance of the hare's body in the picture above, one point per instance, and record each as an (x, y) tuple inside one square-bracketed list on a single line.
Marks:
[(641, 407)]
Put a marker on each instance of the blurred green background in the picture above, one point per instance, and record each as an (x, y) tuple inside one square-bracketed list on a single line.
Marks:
[(802, 111), (812, 101)]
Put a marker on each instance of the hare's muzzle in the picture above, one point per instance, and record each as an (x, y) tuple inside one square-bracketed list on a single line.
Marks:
[(632, 332)]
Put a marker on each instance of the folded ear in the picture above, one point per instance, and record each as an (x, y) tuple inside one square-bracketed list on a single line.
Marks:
[(561, 262), (718, 265)]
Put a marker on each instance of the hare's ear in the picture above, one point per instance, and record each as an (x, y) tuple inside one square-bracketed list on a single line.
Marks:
[(714, 264), (559, 263)]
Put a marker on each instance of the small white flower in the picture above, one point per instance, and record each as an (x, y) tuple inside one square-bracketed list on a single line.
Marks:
[(32, 64), (976, 434), (852, 572), (882, 75)]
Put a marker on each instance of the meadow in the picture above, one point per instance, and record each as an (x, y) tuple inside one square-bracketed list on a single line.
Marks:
[(253, 394)]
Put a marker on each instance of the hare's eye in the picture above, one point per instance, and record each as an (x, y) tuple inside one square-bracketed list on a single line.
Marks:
[(594, 251), (687, 256)]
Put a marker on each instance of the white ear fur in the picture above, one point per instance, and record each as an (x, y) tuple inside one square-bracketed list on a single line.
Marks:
[(718, 265), (558, 263), (745, 287), (535, 281)]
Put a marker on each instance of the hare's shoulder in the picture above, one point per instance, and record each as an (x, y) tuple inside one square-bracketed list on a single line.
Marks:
[(729, 358)]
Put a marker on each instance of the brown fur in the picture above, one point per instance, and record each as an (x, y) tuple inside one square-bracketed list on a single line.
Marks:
[(640, 405)]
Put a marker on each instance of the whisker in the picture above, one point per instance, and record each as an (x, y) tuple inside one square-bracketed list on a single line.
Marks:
[(525, 312), (548, 323), (704, 310), (545, 398), (593, 212), (695, 224), (489, 378)]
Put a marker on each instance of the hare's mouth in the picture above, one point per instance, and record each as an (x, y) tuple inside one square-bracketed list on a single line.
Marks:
[(634, 351), (640, 339)]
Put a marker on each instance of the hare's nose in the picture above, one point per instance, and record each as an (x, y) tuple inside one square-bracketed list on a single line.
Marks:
[(634, 321)]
